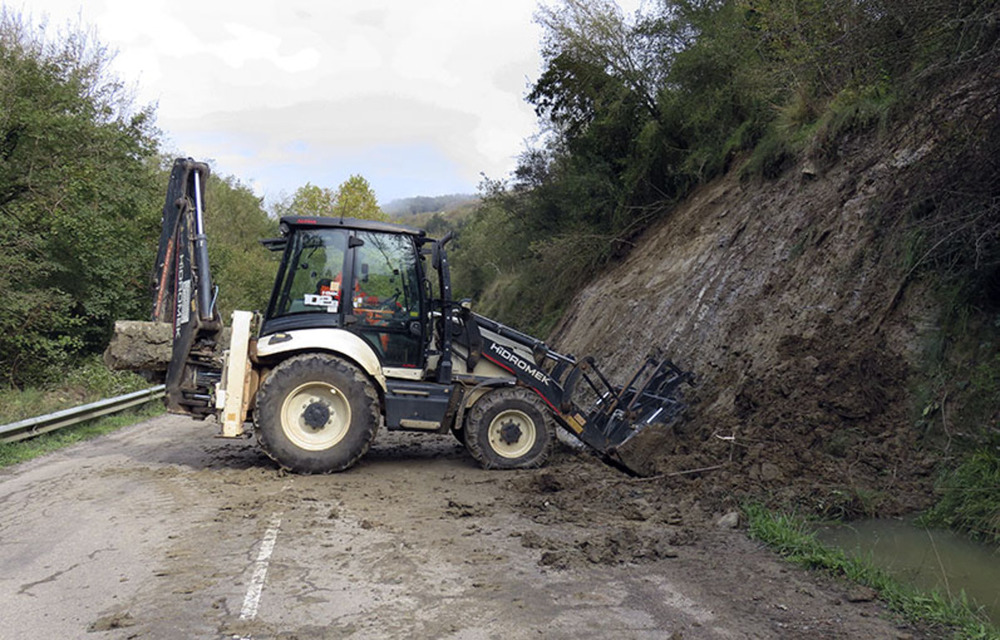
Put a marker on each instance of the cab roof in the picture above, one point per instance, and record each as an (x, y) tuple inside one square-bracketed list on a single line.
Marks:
[(351, 223)]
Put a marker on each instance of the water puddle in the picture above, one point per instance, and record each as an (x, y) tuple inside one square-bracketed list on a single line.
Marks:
[(928, 559)]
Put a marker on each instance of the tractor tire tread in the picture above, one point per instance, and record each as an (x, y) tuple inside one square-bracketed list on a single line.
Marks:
[(319, 361), (474, 436)]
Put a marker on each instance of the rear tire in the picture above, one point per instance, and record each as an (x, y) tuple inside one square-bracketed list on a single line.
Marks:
[(316, 413), (509, 429)]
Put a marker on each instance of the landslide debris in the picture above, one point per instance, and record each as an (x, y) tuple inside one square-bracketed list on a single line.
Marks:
[(592, 514), (791, 301)]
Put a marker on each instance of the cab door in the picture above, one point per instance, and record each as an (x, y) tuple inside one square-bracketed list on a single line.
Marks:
[(388, 308)]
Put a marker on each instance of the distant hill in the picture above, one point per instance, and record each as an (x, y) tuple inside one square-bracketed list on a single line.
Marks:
[(404, 207)]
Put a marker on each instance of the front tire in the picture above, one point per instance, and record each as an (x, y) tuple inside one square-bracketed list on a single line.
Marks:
[(509, 429), (316, 413)]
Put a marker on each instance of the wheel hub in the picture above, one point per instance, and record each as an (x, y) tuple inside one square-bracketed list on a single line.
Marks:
[(510, 432), (316, 415)]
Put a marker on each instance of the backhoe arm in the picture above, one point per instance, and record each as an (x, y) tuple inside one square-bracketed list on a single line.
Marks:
[(183, 293)]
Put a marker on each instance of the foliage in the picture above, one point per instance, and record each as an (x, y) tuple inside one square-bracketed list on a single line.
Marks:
[(81, 191), (970, 500), (638, 110), (235, 223), (79, 198), (88, 381), (952, 237), (308, 200), (356, 199), (957, 395), (791, 537)]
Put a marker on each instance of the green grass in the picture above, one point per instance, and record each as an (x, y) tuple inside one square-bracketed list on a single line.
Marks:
[(88, 382), (970, 500), (790, 537), (23, 450)]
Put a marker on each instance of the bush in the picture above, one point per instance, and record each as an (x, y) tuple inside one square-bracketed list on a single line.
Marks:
[(79, 195), (87, 381), (970, 497)]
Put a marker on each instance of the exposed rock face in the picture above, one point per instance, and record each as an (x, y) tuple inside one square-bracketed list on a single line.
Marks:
[(787, 301)]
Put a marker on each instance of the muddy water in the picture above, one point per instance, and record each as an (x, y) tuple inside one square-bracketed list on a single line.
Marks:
[(928, 559)]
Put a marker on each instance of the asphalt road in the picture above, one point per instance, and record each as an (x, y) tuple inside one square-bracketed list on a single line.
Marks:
[(161, 530)]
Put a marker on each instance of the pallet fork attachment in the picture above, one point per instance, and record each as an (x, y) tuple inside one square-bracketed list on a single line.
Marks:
[(620, 414), (610, 424)]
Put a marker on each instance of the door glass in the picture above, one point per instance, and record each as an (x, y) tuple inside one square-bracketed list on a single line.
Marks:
[(311, 281), (386, 296)]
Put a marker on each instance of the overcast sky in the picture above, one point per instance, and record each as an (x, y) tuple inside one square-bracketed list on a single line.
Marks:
[(418, 96)]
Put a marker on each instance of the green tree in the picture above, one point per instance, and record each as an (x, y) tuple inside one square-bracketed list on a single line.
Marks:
[(588, 42), (308, 200), (80, 195), (356, 199), (235, 223)]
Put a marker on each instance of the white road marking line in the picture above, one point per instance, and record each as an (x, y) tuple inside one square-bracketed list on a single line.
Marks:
[(252, 600)]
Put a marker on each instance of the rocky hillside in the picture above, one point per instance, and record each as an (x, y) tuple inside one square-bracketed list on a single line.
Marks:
[(796, 305)]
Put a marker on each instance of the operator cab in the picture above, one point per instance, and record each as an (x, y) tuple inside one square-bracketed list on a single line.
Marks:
[(363, 276)]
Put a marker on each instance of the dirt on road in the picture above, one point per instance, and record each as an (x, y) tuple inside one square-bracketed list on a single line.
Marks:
[(163, 531)]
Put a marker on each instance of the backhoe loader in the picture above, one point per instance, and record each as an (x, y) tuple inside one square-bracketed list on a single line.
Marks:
[(361, 329)]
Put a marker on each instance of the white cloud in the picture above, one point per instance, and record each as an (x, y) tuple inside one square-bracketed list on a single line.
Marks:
[(420, 97)]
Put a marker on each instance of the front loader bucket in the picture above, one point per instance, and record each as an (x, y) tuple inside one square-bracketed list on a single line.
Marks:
[(629, 426), (639, 452)]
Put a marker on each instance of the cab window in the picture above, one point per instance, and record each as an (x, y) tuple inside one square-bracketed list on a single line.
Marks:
[(386, 298), (311, 280)]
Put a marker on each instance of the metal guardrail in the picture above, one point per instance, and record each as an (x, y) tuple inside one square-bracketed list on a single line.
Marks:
[(68, 417)]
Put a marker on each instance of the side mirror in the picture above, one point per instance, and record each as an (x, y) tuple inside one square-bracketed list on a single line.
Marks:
[(438, 247)]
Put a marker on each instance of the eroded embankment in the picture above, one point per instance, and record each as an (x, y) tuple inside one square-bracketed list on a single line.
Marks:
[(789, 300)]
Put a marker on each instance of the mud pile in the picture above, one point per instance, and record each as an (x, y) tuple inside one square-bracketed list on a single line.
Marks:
[(788, 301), (593, 514)]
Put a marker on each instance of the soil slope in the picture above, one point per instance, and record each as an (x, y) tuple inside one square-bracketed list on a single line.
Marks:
[(786, 299)]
